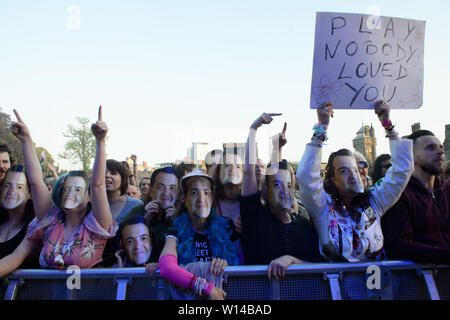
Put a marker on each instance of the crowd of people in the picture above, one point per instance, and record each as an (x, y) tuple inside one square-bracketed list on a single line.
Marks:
[(191, 223)]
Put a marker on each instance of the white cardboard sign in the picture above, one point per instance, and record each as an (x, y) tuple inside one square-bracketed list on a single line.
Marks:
[(360, 59)]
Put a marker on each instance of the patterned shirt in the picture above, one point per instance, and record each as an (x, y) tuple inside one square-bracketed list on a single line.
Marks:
[(84, 249)]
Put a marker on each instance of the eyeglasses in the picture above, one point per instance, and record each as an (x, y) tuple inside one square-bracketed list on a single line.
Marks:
[(363, 164), (387, 166)]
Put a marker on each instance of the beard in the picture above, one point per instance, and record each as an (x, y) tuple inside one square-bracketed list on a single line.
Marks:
[(428, 168)]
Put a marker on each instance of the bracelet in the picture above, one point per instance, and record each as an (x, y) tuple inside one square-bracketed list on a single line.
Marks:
[(320, 133), (386, 123), (320, 128), (391, 132)]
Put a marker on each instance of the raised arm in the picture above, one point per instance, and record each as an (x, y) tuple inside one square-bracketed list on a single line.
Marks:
[(249, 185), (134, 178), (308, 172), (42, 200), (99, 199), (52, 169), (387, 193), (278, 142)]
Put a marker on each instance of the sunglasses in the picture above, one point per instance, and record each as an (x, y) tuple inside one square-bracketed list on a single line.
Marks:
[(387, 166), (363, 164)]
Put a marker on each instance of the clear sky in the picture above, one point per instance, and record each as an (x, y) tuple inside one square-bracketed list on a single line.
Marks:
[(172, 72)]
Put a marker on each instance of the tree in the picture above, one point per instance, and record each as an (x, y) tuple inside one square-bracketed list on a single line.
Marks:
[(6, 137), (81, 144), (45, 162)]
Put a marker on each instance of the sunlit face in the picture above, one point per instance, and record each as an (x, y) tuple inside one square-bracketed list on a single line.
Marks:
[(133, 192), (231, 170), (145, 186), (165, 189), (5, 164), (429, 154), (15, 190), (136, 243), (74, 193), (198, 198), (113, 180), (280, 193), (347, 178)]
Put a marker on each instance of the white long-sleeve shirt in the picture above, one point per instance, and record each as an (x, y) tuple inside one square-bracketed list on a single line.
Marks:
[(364, 236)]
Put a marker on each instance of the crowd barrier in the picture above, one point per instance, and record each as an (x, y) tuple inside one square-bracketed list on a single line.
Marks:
[(399, 280)]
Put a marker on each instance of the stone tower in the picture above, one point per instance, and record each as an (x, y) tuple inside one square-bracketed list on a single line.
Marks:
[(415, 127), (365, 142), (447, 142)]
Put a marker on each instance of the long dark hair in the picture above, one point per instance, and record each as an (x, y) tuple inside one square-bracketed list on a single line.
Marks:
[(376, 172), (115, 166), (359, 200), (29, 208), (219, 190)]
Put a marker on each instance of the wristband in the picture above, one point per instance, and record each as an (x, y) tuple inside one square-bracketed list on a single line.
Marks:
[(320, 133)]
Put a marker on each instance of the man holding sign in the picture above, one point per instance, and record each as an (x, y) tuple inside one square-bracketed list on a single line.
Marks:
[(358, 61), (347, 216)]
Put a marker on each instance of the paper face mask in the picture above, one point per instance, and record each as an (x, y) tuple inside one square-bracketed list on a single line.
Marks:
[(231, 170), (74, 192), (15, 190)]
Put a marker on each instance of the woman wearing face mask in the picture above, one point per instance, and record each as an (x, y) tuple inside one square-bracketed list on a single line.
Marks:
[(16, 210), (72, 230)]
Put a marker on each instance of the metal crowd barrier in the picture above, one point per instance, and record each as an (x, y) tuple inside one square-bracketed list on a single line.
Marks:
[(399, 280)]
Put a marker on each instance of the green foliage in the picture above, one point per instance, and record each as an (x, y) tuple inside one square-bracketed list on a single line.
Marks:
[(80, 148), (6, 137), (46, 172)]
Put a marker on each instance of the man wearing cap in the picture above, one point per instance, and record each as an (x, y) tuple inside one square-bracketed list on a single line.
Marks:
[(198, 235)]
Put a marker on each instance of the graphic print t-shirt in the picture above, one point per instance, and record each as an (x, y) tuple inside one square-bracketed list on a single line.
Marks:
[(201, 247)]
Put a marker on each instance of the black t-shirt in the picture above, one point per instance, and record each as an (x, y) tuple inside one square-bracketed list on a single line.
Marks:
[(264, 238), (202, 249), (9, 246)]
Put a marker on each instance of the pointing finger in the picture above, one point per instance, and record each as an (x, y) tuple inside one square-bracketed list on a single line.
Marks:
[(284, 128), (274, 114), (100, 114), (19, 119)]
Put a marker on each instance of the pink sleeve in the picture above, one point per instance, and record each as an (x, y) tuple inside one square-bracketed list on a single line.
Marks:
[(170, 270)]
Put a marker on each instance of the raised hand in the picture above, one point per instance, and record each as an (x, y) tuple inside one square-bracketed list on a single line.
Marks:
[(280, 138), (382, 109), (265, 118), (324, 113), (19, 128), (99, 129)]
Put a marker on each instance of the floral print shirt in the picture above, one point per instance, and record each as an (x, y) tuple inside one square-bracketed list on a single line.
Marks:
[(84, 249), (343, 236)]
